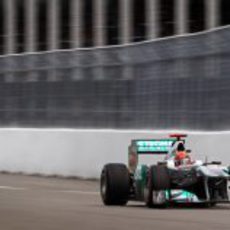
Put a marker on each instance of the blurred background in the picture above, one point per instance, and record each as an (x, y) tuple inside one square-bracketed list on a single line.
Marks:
[(130, 64)]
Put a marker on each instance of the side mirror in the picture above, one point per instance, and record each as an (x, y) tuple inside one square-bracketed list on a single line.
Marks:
[(213, 163), (161, 163), (216, 162)]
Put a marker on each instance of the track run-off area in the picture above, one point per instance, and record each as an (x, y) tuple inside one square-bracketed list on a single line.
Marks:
[(35, 203)]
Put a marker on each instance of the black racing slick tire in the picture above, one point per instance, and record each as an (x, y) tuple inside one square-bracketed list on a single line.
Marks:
[(158, 180), (148, 191), (160, 177), (114, 184)]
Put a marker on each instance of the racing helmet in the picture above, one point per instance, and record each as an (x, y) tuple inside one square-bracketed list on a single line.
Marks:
[(180, 146), (180, 152)]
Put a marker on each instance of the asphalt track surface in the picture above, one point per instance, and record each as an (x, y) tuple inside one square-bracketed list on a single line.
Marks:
[(37, 203)]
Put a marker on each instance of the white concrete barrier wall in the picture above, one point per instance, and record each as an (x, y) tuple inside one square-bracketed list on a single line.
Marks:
[(84, 152)]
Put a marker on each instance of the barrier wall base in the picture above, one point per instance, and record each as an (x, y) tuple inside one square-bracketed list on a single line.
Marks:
[(83, 153)]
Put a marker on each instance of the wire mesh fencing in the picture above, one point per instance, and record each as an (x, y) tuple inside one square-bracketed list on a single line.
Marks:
[(179, 82)]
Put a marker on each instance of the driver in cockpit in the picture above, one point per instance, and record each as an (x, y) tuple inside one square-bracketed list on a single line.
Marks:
[(182, 157)]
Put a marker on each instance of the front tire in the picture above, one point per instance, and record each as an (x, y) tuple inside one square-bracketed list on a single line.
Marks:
[(160, 177), (114, 184), (158, 182)]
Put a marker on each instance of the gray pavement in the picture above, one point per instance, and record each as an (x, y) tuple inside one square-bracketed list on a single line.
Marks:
[(37, 203)]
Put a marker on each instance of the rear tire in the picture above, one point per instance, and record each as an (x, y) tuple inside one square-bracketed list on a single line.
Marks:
[(114, 184)]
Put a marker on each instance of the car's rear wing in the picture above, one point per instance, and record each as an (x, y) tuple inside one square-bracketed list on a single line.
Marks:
[(152, 146), (148, 146)]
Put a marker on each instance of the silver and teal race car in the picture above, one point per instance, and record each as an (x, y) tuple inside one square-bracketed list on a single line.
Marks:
[(164, 183)]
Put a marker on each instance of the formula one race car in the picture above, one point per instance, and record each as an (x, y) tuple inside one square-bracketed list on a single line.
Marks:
[(176, 179)]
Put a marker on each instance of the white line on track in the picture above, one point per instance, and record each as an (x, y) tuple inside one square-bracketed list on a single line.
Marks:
[(79, 192), (11, 188), (2, 187)]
